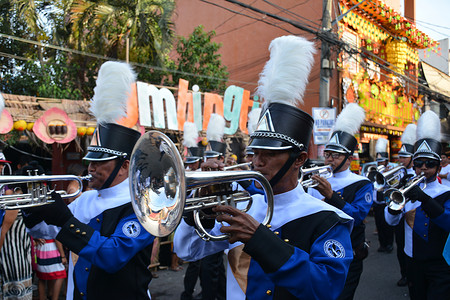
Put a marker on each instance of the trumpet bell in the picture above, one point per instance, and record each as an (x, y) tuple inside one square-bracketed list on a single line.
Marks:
[(157, 183)]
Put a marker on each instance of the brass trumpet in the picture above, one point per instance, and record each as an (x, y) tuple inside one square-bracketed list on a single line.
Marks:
[(323, 171), (385, 179), (159, 186), (396, 199), (39, 193)]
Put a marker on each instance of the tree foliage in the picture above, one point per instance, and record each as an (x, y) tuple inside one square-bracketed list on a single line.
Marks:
[(198, 56)]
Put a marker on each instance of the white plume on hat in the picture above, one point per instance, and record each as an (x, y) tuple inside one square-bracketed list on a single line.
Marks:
[(350, 119), (190, 134), (429, 126), (2, 103), (216, 128), (113, 87), (409, 135), (253, 118), (381, 145), (285, 74)]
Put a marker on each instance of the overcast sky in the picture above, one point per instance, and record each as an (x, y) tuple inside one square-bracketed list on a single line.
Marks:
[(433, 18)]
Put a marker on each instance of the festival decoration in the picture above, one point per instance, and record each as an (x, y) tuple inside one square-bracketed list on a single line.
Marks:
[(20, 125), (30, 126), (81, 131), (90, 130), (55, 126)]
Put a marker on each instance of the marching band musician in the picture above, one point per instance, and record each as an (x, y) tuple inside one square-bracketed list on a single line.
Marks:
[(426, 217), (385, 232), (110, 250), (306, 251), (345, 190), (405, 158)]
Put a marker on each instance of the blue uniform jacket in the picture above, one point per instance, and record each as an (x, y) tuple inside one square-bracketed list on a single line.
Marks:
[(305, 253)]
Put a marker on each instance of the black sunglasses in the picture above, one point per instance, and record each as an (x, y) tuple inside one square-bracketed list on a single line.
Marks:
[(428, 163)]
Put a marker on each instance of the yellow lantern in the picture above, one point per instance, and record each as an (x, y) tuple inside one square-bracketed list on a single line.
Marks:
[(81, 131), (90, 130), (30, 126), (20, 125), (204, 142)]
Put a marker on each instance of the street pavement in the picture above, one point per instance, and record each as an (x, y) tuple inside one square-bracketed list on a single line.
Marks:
[(378, 281)]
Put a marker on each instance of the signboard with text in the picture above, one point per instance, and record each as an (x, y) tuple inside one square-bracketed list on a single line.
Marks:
[(324, 120)]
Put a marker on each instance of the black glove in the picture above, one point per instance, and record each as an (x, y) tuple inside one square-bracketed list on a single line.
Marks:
[(394, 212), (56, 213), (31, 219), (416, 193), (405, 180)]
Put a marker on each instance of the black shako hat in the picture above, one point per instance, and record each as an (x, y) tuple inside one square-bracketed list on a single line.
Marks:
[(341, 142), (428, 148), (408, 139), (282, 126), (218, 147), (111, 141)]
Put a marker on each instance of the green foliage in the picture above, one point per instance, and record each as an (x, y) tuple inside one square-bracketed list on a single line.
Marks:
[(198, 56)]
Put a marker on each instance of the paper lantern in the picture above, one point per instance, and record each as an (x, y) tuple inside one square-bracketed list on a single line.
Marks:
[(90, 130), (30, 126), (20, 125), (81, 131)]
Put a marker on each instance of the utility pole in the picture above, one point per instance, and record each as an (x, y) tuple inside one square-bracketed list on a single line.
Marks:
[(325, 64)]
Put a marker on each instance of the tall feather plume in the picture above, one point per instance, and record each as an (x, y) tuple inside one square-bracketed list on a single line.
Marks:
[(285, 74), (113, 87), (216, 128), (409, 135), (381, 145), (350, 119), (253, 118), (190, 134), (429, 126), (2, 103)]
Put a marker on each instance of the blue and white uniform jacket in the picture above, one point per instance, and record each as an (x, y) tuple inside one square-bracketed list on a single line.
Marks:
[(110, 250), (427, 225), (353, 194), (304, 254)]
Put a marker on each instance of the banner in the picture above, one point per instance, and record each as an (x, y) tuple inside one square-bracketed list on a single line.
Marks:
[(324, 120)]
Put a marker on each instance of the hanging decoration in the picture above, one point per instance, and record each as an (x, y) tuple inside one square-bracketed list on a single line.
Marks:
[(20, 125), (55, 126)]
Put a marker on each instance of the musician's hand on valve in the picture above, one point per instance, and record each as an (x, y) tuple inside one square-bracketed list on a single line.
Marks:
[(416, 193), (242, 225), (56, 213), (212, 165), (323, 186)]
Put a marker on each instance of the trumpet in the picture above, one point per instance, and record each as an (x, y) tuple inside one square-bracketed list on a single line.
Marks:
[(159, 185), (39, 193), (389, 178), (395, 198), (323, 171)]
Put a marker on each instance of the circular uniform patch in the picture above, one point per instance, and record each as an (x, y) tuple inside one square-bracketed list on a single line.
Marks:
[(368, 197), (131, 229), (334, 249)]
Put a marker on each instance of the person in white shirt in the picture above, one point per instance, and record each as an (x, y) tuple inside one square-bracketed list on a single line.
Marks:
[(445, 169)]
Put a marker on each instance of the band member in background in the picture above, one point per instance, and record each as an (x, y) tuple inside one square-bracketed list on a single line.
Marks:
[(405, 158), (345, 190), (306, 251), (385, 232), (426, 217), (110, 250)]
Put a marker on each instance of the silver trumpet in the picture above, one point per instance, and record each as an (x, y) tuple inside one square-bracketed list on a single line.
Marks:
[(39, 192), (395, 198), (390, 178), (159, 187), (323, 171)]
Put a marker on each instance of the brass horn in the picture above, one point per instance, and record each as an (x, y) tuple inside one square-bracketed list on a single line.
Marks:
[(385, 179), (39, 192), (323, 171), (395, 198), (159, 186)]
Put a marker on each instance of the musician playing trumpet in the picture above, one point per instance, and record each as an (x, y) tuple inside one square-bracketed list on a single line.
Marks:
[(345, 190), (426, 217)]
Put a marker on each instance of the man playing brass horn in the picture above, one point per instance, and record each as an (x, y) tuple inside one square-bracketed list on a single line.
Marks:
[(426, 217), (345, 190), (305, 251)]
